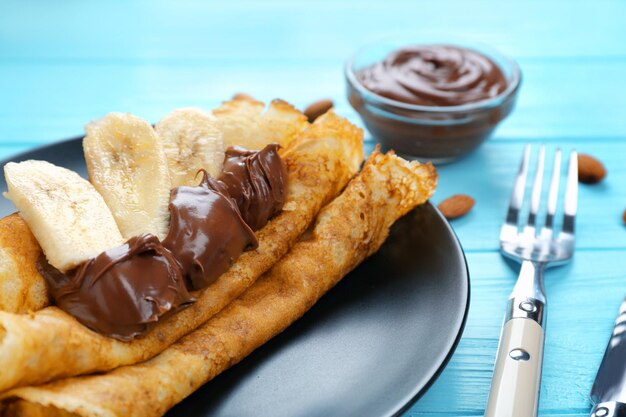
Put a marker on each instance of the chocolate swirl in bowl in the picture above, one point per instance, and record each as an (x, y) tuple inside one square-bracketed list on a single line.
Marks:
[(434, 75)]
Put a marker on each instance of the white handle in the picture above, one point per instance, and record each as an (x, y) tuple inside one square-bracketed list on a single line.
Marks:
[(517, 373)]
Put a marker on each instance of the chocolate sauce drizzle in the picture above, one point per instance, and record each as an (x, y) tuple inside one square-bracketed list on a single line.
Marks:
[(120, 292), (124, 290)]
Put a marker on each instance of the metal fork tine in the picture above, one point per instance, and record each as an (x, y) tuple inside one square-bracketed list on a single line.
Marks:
[(553, 195), (517, 198), (509, 229), (571, 194), (535, 198)]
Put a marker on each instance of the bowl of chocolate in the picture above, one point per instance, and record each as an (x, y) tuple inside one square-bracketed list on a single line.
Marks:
[(433, 101)]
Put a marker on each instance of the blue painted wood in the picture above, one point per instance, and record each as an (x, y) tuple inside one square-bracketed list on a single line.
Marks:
[(64, 63), (581, 310), (304, 30), (559, 100)]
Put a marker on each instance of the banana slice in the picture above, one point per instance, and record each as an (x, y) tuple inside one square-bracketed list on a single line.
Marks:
[(127, 165), (191, 141), (70, 220), (244, 123)]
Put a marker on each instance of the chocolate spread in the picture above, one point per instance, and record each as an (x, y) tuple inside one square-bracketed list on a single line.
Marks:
[(257, 181), (434, 75), (120, 292), (207, 234)]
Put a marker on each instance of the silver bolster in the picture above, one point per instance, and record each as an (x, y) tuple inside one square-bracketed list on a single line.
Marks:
[(609, 409), (528, 299), (526, 308)]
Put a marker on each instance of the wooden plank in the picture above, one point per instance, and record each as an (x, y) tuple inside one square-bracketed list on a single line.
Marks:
[(559, 100), (161, 30), (583, 301)]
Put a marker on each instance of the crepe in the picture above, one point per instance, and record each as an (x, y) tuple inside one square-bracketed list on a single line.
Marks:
[(348, 230), (50, 343), (244, 122), (22, 289)]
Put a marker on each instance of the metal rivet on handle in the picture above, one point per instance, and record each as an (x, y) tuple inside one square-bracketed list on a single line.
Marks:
[(519, 355), (528, 306), (601, 412)]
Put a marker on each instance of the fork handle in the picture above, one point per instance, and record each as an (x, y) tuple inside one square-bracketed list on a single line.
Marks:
[(517, 373)]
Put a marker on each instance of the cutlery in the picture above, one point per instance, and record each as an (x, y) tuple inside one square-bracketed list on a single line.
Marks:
[(517, 372), (609, 388)]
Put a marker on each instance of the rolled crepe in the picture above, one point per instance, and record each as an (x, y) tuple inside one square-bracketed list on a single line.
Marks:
[(246, 122), (348, 230), (50, 343), (22, 288)]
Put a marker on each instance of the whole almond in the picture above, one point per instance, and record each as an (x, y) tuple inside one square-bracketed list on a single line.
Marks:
[(456, 206), (624, 217), (242, 96), (590, 170), (316, 109)]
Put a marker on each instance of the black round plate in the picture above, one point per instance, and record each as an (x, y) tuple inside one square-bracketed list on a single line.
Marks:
[(370, 347)]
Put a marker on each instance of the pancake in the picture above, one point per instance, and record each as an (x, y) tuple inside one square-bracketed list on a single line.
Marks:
[(22, 288), (348, 230), (50, 344), (246, 122)]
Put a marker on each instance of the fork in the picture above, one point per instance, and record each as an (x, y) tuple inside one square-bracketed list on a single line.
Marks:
[(517, 372)]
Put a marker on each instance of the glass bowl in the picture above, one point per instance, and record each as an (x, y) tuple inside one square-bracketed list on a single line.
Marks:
[(439, 134)]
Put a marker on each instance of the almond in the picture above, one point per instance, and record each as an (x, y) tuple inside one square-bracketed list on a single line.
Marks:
[(456, 206), (316, 109), (624, 217), (242, 96), (590, 170)]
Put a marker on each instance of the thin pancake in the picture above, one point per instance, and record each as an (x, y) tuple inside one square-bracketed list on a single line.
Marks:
[(348, 230), (22, 289), (245, 122), (50, 344)]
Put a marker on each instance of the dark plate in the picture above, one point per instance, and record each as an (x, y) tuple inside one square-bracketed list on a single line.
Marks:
[(370, 347)]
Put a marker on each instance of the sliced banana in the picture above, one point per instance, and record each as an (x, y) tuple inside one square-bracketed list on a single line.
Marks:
[(191, 141), (70, 220), (127, 165), (244, 123)]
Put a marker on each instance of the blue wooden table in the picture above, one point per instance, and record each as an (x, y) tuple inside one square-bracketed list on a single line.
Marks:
[(63, 63)]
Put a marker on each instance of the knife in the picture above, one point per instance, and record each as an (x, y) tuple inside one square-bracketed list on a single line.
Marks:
[(609, 388)]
